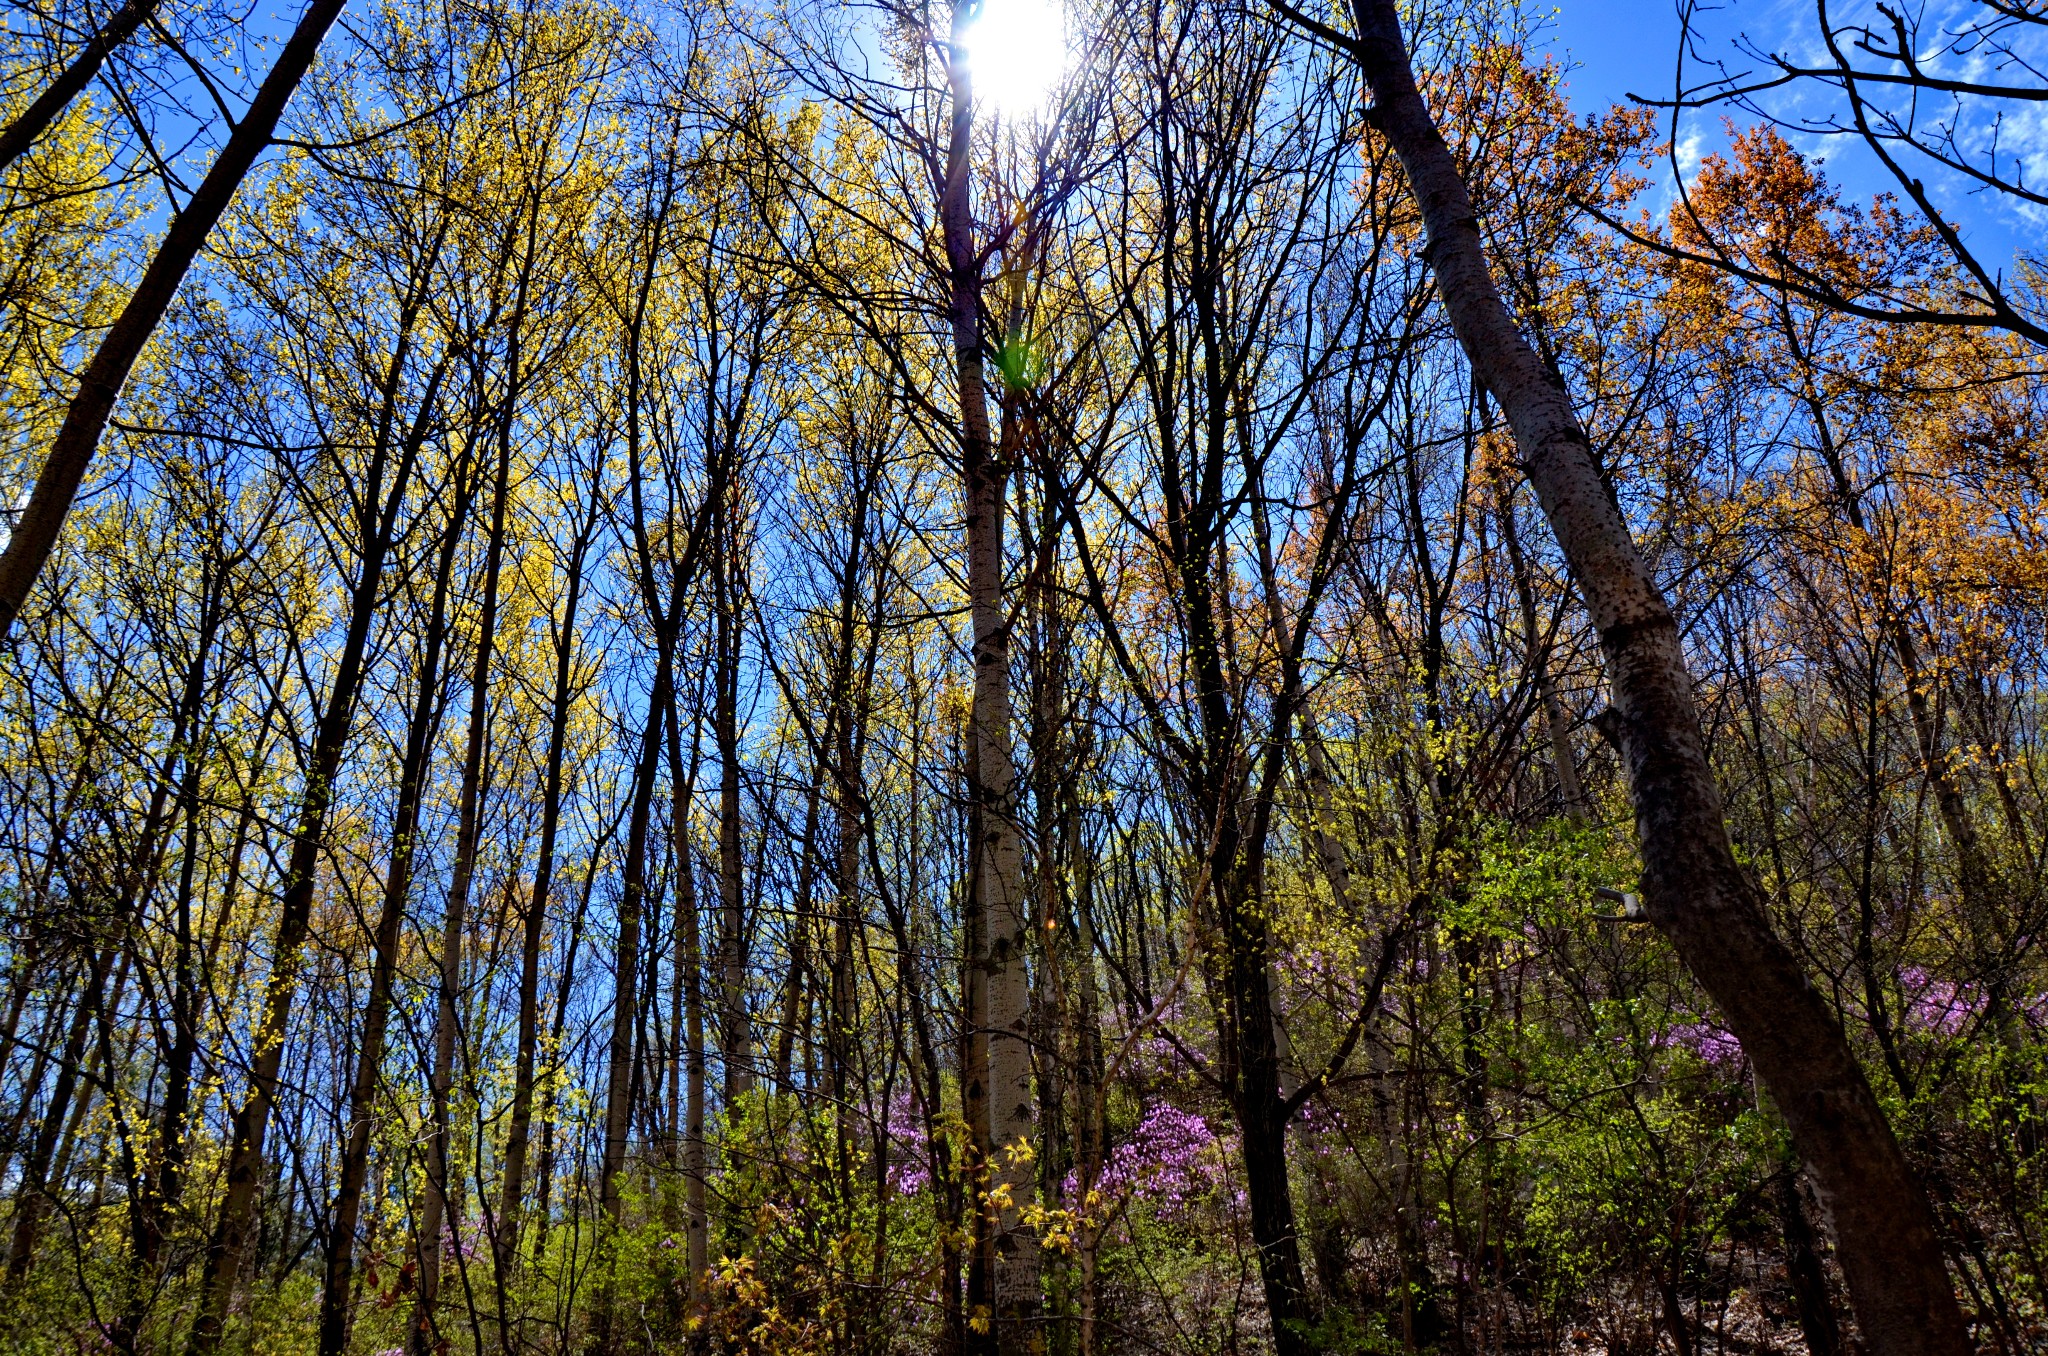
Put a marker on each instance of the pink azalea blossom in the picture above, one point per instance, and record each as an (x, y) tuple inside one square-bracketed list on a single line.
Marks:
[(1170, 1161)]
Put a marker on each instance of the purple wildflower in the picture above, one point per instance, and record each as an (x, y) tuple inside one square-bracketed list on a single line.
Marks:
[(1938, 1006), (1705, 1040), (1171, 1160), (909, 1172)]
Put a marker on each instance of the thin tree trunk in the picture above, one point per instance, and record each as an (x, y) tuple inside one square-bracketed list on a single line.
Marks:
[(31, 1198), (29, 956), (17, 1124), (557, 1025), (362, 1104), (620, 1054), (737, 1043), (794, 993), (1693, 888), (160, 1193), (618, 1106), (1803, 1269), (1091, 1129), (686, 1003), (1571, 792), (847, 812), (690, 964), (1975, 879), (436, 1204), (519, 1124), (1262, 1113), (228, 1249), (976, 1334)]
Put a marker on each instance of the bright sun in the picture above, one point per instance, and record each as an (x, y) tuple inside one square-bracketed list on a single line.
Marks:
[(1018, 52)]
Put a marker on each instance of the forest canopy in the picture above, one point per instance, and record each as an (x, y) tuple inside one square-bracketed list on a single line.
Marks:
[(1122, 676)]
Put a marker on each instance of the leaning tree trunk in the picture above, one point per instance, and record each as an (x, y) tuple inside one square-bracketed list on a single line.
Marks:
[(25, 130), (1693, 888), (35, 533)]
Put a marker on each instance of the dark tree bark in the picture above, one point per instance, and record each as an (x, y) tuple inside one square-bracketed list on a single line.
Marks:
[(736, 1043), (689, 961), (796, 995), (1693, 888), (533, 922), (228, 1249), (1536, 647), (17, 136), (163, 1188), (665, 616), (437, 1204), (1803, 1269), (31, 1201), (362, 1103), (78, 438), (619, 1080)]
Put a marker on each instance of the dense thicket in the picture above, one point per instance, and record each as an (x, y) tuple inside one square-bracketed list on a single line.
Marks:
[(708, 695)]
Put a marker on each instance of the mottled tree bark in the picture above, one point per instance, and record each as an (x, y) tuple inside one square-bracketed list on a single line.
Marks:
[(999, 865)]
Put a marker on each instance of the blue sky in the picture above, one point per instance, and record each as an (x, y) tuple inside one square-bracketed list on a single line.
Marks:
[(1622, 46), (1619, 47)]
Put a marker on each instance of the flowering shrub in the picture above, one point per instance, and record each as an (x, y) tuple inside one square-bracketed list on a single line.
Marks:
[(1706, 1041), (461, 1243), (1171, 1160), (909, 1164), (1937, 1006)]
